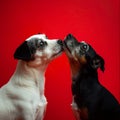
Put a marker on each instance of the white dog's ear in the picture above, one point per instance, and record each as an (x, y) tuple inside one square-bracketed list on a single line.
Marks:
[(24, 52)]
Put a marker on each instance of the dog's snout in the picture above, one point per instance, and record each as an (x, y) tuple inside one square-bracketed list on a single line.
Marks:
[(69, 36), (60, 42)]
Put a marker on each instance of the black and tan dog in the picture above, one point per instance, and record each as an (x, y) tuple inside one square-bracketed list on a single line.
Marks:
[(91, 101)]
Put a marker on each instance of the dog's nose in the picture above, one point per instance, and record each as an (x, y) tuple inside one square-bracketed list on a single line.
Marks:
[(69, 36), (60, 42)]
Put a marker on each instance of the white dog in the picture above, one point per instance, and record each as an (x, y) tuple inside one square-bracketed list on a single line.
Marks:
[(22, 98)]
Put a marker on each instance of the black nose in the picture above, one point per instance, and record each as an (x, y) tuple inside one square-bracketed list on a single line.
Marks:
[(69, 36), (39, 33), (60, 42)]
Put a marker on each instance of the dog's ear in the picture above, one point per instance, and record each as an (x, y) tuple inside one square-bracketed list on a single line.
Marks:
[(98, 62), (23, 52)]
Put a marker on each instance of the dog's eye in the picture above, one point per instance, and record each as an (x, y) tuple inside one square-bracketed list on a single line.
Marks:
[(84, 47), (41, 44)]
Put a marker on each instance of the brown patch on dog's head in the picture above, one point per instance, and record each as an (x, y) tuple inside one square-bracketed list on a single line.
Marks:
[(82, 60)]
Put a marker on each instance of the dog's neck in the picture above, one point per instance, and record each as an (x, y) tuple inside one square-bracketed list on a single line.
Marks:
[(30, 76), (86, 72), (86, 77)]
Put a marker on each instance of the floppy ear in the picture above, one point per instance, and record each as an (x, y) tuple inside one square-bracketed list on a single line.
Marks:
[(98, 62), (23, 52)]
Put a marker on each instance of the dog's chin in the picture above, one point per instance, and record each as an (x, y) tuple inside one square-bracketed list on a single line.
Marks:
[(68, 51), (71, 55), (66, 47), (57, 54)]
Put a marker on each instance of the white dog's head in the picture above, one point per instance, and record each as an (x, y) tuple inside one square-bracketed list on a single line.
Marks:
[(38, 49)]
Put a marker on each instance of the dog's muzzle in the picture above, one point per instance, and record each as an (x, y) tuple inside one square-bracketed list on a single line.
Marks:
[(60, 42)]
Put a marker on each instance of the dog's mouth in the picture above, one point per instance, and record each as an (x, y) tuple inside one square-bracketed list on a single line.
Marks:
[(58, 53), (66, 47), (71, 50)]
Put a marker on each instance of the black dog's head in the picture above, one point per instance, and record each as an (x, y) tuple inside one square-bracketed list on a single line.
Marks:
[(81, 54)]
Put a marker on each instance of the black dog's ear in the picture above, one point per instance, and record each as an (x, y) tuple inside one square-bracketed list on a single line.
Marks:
[(23, 52), (98, 62)]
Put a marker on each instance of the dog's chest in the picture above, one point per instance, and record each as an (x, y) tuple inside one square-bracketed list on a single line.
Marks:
[(38, 100), (39, 106)]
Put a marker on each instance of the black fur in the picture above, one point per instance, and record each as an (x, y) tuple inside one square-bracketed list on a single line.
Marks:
[(24, 52), (89, 93), (27, 49)]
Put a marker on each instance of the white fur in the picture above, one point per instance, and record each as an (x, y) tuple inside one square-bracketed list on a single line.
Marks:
[(22, 98), (75, 109)]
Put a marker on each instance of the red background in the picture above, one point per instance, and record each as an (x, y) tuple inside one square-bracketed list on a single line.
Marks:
[(95, 21)]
